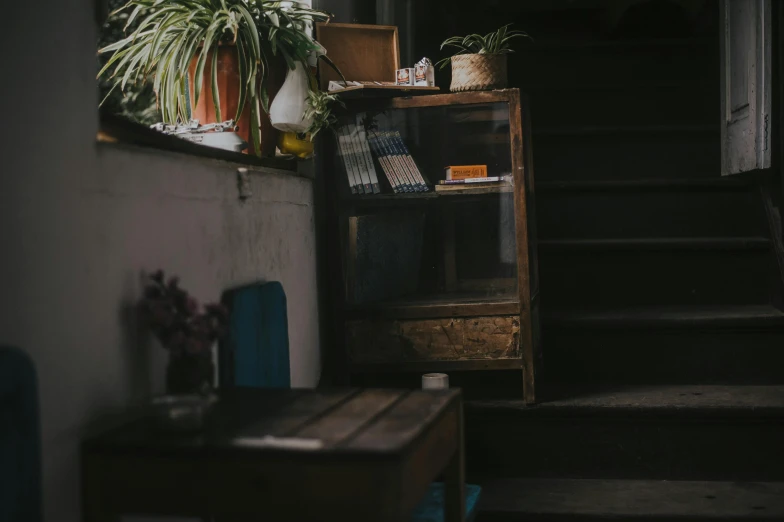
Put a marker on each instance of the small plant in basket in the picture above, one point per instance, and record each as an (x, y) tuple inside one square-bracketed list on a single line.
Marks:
[(186, 330), (480, 62)]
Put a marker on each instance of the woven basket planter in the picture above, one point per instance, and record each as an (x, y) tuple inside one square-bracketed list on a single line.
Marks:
[(478, 72)]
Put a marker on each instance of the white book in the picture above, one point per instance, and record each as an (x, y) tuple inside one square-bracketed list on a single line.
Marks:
[(363, 141), (341, 149), (351, 162), (360, 158)]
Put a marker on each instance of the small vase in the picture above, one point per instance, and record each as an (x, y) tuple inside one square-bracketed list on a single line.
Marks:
[(287, 111), (190, 374), (292, 143)]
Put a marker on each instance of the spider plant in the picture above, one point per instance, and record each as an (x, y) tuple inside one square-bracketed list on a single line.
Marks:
[(497, 42), (319, 108), (173, 33)]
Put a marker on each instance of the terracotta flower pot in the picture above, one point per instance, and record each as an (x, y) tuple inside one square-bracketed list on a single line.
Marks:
[(228, 94)]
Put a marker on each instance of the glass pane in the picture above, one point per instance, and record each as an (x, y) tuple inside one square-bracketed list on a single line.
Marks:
[(452, 241)]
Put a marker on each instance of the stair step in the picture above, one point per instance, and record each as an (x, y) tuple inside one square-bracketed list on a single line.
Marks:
[(645, 356), (642, 273), (663, 107), (667, 317), (653, 209), (686, 400), (656, 243), (685, 432), (715, 183), (625, 130), (600, 156), (699, 345), (650, 500)]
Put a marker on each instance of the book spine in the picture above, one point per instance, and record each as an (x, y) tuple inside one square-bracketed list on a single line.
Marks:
[(410, 163), (398, 152), (363, 141), (466, 171), (353, 159), (383, 160), (386, 143), (469, 180), (384, 152), (344, 156), (360, 158)]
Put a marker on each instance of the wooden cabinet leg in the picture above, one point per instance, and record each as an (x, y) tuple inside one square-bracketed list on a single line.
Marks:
[(454, 479)]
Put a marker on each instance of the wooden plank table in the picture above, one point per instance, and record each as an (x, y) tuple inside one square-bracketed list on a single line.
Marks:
[(372, 455)]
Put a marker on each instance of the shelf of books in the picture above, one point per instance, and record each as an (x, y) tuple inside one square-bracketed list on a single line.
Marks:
[(433, 224)]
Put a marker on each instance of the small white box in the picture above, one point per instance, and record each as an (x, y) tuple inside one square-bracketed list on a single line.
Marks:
[(405, 76), (424, 76)]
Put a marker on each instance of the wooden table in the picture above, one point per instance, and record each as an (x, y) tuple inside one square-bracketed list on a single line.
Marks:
[(371, 455)]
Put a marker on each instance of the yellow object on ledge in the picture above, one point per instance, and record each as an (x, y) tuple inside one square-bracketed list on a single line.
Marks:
[(289, 143)]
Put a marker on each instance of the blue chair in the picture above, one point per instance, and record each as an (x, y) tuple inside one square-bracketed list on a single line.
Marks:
[(20, 438), (256, 352), (431, 509)]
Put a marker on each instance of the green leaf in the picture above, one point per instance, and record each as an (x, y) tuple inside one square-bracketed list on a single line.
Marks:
[(134, 14), (255, 132), (243, 70), (332, 65), (215, 92)]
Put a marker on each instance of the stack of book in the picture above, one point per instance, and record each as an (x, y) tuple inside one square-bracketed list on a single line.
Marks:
[(361, 150), (465, 177)]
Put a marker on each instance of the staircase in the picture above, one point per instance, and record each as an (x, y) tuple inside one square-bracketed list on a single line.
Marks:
[(663, 348)]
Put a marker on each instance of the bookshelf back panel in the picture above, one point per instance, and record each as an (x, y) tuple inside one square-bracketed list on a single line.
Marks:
[(432, 251), (439, 339)]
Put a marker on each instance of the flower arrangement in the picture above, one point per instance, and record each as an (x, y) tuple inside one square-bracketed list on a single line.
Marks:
[(186, 330)]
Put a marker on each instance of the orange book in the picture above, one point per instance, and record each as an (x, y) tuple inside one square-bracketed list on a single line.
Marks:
[(466, 172)]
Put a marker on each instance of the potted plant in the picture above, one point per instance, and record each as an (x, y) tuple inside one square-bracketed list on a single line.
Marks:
[(317, 116), (480, 62), (186, 331), (214, 60)]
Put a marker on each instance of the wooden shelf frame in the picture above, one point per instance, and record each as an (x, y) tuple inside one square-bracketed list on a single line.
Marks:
[(443, 307), (444, 365), (420, 313)]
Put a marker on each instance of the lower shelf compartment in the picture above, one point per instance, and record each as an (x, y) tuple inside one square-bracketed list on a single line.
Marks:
[(478, 342)]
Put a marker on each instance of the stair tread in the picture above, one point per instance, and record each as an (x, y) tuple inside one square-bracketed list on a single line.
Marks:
[(646, 499), (669, 316), (690, 243), (581, 130), (727, 183), (687, 399)]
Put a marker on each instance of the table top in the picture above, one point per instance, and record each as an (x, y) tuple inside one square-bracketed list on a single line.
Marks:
[(325, 422)]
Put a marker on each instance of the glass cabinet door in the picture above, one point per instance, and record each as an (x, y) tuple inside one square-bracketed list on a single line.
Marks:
[(416, 237)]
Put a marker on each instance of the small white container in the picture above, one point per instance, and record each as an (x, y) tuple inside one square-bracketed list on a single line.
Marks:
[(435, 381), (405, 76), (424, 76)]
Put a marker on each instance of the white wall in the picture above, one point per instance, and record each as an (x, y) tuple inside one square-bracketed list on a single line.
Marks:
[(79, 222)]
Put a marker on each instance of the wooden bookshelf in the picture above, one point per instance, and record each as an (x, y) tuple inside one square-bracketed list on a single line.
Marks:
[(439, 280)]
